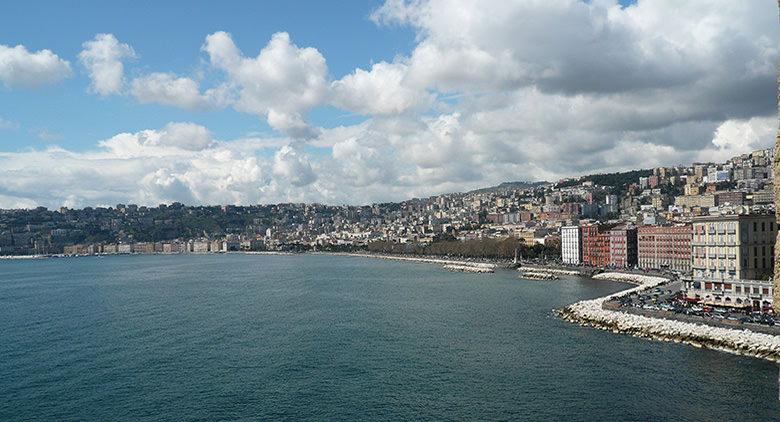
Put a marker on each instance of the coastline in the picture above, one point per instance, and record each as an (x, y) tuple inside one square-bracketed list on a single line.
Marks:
[(438, 261), (591, 313)]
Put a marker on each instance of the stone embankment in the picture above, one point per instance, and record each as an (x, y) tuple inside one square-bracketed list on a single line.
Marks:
[(592, 313)]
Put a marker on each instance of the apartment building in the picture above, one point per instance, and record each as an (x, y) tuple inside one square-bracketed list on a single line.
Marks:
[(665, 247)]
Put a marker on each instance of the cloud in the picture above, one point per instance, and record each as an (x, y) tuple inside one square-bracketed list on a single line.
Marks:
[(282, 83), (169, 89), (102, 57), (734, 137), (291, 165), (20, 68), (173, 139), (492, 90), (380, 91), (177, 162)]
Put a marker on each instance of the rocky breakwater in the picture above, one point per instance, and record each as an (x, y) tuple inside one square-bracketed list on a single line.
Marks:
[(592, 313), (470, 268), (533, 274), (448, 264), (549, 270)]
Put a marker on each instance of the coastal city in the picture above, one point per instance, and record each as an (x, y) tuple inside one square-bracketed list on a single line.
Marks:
[(712, 225), (390, 210)]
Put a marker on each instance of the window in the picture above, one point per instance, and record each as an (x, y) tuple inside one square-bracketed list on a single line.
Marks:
[(763, 225), (755, 226)]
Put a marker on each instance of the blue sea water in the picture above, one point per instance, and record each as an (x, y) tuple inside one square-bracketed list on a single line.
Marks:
[(310, 337)]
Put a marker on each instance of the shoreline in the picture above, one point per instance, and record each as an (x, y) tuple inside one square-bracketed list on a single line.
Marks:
[(591, 313), (438, 261)]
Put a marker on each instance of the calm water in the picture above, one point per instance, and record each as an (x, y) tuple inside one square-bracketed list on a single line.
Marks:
[(336, 338)]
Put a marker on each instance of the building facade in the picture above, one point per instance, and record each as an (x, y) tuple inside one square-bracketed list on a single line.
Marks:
[(733, 247), (755, 294), (595, 244), (665, 247), (623, 247), (571, 245), (729, 254)]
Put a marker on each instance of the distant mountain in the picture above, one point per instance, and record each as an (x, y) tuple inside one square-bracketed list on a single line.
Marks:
[(509, 186)]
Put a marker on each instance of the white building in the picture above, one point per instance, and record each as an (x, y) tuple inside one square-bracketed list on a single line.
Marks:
[(571, 245), (755, 294)]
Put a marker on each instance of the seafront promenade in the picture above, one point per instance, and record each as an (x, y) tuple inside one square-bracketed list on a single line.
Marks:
[(592, 313)]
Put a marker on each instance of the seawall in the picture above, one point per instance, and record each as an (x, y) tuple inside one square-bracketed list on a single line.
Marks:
[(591, 313)]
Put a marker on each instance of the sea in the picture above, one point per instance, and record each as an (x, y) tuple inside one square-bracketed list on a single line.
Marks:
[(338, 338)]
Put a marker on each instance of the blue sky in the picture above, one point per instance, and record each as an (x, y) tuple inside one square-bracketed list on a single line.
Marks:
[(363, 101), (167, 36)]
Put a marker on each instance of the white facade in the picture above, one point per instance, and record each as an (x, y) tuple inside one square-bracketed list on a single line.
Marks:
[(571, 245), (738, 293)]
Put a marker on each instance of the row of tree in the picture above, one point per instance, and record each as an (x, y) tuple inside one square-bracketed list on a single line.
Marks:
[(477, 248)]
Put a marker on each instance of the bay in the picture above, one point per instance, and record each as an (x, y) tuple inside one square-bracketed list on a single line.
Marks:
[(313, 337)]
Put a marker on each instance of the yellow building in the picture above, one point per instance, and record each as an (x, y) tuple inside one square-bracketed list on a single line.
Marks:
[(728, 251)]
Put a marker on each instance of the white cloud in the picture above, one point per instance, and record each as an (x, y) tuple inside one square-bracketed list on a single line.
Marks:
[(292, 166), (734, 137), (380, 91), (102, 56), (493, 90), (22, 68), (174, 139), (282, 83), (168, 89)]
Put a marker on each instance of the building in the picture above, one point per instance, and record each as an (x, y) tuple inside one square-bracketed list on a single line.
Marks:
[(730, 247), (623, 247), (665, 247), (595, 244), (702, 201), (124, 248), (764, 196), (730, 197), (754, 294), (730, 251), (571, 245)]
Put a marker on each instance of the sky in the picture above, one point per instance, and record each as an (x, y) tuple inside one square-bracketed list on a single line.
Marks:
[(369, 101)]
